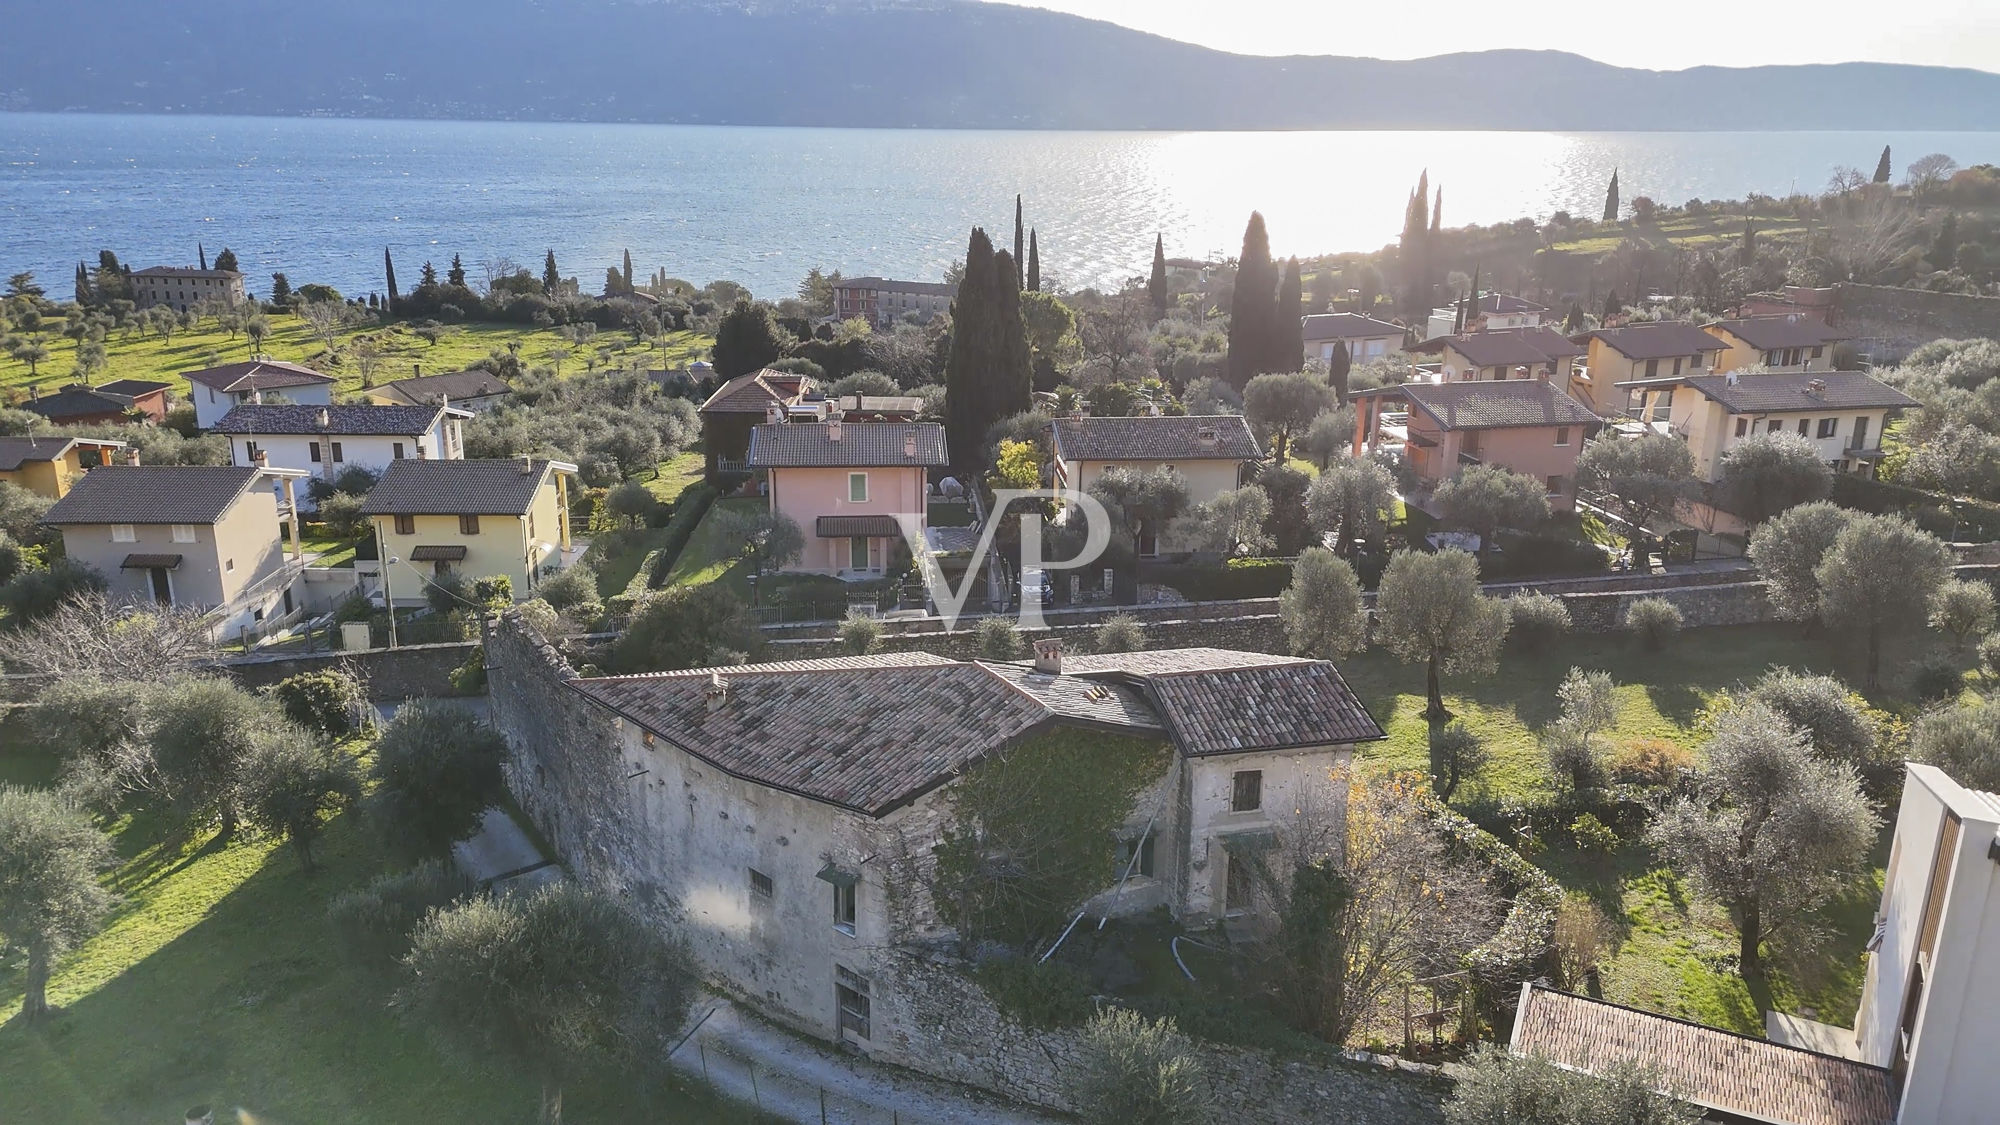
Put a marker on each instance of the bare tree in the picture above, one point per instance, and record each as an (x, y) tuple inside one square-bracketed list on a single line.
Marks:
[(1927, 172), (1865, 240), (93, 634), (325, 319), (1846, 180)]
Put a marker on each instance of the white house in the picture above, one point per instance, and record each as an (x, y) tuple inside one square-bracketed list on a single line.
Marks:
[(324, 441), (1493, 310), (216, 391), (1366, 338), (1843, 413)]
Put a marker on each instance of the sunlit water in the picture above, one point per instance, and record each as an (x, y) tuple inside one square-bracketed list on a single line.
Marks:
[(319, 199)]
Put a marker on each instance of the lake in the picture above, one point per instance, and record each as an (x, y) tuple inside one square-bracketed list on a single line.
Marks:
[(320, 198)]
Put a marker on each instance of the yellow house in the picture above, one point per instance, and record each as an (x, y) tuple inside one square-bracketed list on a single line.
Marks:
[(1208, 453), (1781, 343), (1842, 413), (48, 466), (478, 519), (1661, 349)]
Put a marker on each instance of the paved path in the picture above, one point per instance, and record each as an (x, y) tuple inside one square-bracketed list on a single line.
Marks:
[(799, 1079), (502, 855)]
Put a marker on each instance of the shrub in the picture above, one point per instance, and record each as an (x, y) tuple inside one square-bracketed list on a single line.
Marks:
[(1582, 934), (1651, 761), (1498, 1088), (631, 503), (290, 784), (861, 635), (998, 639), (375, 922), (1573, 758), (1132, 1071), (493, 591), (1539, 621), (469, 678), (1655, 621), (1989, 656), (572, 590), (539, 616), (1592, 834), (1963, 610), (1457, 753), (1120, 633), (688, 511), (446, 593), (1936, 679), (437, 770), (35, 594), (326, 701), (1043, 994)]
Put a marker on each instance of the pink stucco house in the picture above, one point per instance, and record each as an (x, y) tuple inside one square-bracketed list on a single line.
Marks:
[(844, 484), (1526, 425)]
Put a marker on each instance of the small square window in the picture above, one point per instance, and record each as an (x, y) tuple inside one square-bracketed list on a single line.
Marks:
[(1562, 435), (1556, 486), (406, 525), (183, 533), (857, 488), (124, 533), (1818, 351), (760, 884), (1246, 792), (336, 453), (468, 524), (1145, 865)]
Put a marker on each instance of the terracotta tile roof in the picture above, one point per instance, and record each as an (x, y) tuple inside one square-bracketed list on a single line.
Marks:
[(848, 527), (1716, 1069), (1765, 332), (1272, 707), (1659, 339), (153, 494), (1082, 700), (495, 487), (18, 451), (910, 659), (1161, 661), (1347, 326), (356, 420), (452, 385), (1506, 346), (1799, 390), (184, 271), (805, 445), (750, 394), (1493, 404), (257, 375), (1166, 438)]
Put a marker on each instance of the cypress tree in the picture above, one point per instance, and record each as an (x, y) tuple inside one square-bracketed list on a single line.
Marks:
[(1882, 169), (456, 275), (1944, 253), (1156, 285), (389, 272), (1011, 385), (1416, 268), (1574, 321), (1020, 250), (200, 255), (1034, 264), (1288, 342), (973, 346), (1433, 252), (628, 271), (83, 293), (1337, 367), (1612, 305), (1611, 199), (551, 280), (1746, 253), (1253, 306), (428, 277)]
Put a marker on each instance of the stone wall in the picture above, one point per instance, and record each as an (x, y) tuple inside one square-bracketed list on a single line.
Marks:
[(407, 672), (950, 1029), (1889, 323)]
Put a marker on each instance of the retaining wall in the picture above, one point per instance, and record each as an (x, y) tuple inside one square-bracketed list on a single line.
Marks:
[(1903, 319), (406, 672)]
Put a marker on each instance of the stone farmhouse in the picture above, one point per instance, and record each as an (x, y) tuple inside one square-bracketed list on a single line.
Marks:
[(784, 816)]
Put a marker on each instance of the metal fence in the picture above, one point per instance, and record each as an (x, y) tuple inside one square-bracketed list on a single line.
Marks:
[(785, 1095)]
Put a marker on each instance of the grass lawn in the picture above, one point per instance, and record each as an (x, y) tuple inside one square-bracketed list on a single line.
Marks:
[(676, 475), (708, 560), (331, 551), (1676, 952), (217, 981), (135, 355)]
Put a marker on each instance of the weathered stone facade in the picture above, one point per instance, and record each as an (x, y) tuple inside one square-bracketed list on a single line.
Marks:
[(407, 672)]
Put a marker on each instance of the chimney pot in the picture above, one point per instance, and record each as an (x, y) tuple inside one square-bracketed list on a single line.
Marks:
[(717, 691), (263, 459), (132, 455), (325, 418), (833, 430), (1048, 657), (772, 414), (909, 443)]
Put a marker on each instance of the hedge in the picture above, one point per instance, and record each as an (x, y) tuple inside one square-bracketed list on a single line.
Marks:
[(688, 511), (1219, 582), (1976, 521)]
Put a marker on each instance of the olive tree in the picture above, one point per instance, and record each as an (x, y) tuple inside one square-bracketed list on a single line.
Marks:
[(1962, 610), (1770, 472), (203, 732), (1788, 548), (1134, 1071), (1351, 501), (1483, 499), (1836, 721), (1278, 406), (1329, 438), (1498, 1088), (437, 770), (292, 783), (1643, 477), (1879, 576), (1430, 608), (767, 538), (1230, 524), (564, 982), (50, 898), (1963, 741), (1773, 831), (1321, 609)]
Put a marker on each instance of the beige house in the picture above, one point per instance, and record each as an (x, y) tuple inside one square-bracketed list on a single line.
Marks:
[(1842, 412), (478, 519), (49, 466), (1208, 452), (204, 536), (476, 390), (1500, 354), (1781, 343), (793, 810), (1366, 338), (1491, 311), (1650, 350)]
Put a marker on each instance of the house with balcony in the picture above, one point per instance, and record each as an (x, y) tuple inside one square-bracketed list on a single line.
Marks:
[(1212, 454), (1843, 413), (1490, 311), (1498, 355), (211, 537), (1788, 342), (49, 466), (324, 441), (1648, 350), (853, 488), (483, 518), (741, 404), (1527, 426), (1366, 338), (794, 808), (215, 391), (474, 389)]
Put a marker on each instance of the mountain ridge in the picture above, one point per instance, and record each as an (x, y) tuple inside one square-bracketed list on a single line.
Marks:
[(884, 64)]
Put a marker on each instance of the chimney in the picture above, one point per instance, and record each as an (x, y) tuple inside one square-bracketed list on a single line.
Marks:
[(417, 370), (1048, 657), (263, 459), (1816, 388), (833, 430), (772, 414), (717, 691), (910, 444), (1208, 437), (325, 418), (527, 465), (132, 455)]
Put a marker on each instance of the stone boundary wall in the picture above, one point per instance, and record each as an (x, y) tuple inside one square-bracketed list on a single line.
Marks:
[(1907, 318), (404, 672), (965, 1039)]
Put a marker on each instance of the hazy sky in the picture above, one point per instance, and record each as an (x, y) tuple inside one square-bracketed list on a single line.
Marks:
[(1658, 37)]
